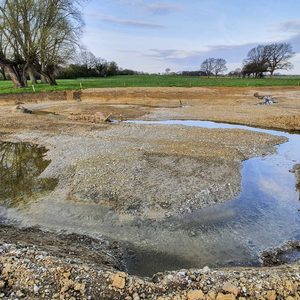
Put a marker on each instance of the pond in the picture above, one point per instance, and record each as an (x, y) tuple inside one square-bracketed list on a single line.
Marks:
[(265, 214)]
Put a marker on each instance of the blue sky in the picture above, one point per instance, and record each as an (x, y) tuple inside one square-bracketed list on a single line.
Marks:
[(151, 36)]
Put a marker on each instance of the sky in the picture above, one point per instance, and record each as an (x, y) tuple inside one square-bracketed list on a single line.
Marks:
[(150, 36)]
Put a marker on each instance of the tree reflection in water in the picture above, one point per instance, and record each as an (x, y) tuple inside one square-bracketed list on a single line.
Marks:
[(20, 166)]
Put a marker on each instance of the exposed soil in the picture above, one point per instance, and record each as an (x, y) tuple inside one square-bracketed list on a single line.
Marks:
[(120, 166), (237, 105), (19, 98)]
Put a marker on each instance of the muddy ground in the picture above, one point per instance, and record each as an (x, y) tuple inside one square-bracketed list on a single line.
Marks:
[(120, 167)]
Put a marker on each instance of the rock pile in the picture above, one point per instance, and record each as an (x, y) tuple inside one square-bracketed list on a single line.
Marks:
[(26, 272), (266, 100)]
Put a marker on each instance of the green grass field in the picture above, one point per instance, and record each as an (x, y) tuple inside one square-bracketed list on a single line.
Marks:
[(151, 81)]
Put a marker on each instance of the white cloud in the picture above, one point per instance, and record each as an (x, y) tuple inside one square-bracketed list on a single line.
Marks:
[(132, 23), (126, 22), (290, 26), (161, 8)]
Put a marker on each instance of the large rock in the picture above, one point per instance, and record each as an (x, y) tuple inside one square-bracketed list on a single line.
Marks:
[(195, 295), (119, 280), (230, 288), (271, 295)]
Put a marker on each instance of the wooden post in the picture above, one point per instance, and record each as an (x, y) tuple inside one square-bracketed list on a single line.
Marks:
[(107, 118)]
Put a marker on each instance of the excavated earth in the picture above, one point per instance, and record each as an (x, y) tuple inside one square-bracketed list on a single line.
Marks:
[(119, 167)]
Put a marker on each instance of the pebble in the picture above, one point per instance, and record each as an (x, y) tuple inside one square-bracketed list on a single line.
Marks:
[(136, 296), (206, 270), (36, 289), (222, 296), (20, 294)]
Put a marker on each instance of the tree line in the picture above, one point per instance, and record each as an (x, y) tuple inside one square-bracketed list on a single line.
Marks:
[(86, 64), (260, 61)]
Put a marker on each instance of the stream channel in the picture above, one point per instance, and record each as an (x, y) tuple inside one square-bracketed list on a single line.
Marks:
[(265, 215)]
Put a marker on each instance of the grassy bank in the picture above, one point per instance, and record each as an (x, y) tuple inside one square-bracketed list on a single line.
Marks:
[(151, 81)]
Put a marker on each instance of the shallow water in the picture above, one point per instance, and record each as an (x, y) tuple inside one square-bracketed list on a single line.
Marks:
[(20, 167), (233, 233), (264, 215)]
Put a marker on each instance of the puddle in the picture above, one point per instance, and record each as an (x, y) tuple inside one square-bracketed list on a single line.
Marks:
[(20, 167), (265, 215)]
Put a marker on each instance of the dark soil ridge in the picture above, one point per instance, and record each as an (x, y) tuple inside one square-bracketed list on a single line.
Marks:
[(75, 247)]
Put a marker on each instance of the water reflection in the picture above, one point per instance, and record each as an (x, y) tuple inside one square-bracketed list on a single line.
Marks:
[(20, 166)]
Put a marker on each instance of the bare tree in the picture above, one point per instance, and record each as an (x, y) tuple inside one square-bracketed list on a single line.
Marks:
[(11, 60), (38, 36), (256, 62), (101, 66), (268, 58), (208, 66), (214, 66), (168, 70), (86, 59), (59, 35), (277, 56), (219, 66)]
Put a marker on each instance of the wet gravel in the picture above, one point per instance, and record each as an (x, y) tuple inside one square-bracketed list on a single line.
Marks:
[(122, 167)]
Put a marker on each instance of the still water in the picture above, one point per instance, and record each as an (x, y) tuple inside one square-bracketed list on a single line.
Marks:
[(233, 233), (20, 167), (265, 215)]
